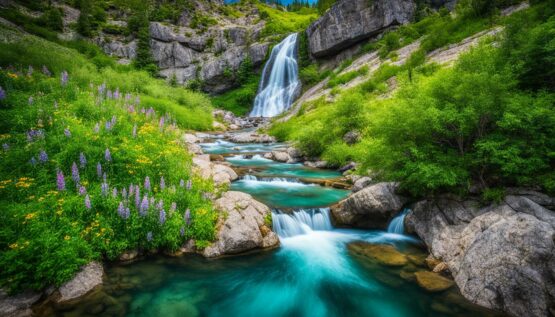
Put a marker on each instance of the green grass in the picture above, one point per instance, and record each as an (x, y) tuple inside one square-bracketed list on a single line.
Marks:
[(239, 100), (279, 22), (46, 234), (342, 79)]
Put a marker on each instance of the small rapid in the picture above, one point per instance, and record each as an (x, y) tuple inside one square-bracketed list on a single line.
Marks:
[(280, 83), (301, 222), (397, 224)]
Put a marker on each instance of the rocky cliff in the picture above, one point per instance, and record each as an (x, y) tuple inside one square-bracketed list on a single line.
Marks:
[(351, 21)]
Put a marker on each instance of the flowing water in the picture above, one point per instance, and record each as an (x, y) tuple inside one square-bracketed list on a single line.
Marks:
[(280, 83), (317, 271)]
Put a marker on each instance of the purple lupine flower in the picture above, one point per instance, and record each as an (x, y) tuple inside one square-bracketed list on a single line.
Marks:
[(33, 135), (173, 207), (121, 209), (82, 160), (181, 183), (160, 205), (134, 133), (188, 216), (67, 133), (116, 93), (144, 206), (97, 127), (45, 71), (127, 96), (6, 147), (115, 192), (60, 181), (104, 177), (75, 173), (162, 183), (161, 123), (87, 202), (149, 236), (30, 101), (124, 193), (82, 190), (108, 125), (99, 169), (30, 71), (189, 185), (137, 197), (131, 190), (147, 183), (107, 155), (2, 93), (33, 161), (101, 89), (64, 78), (182, 231), (104, 187), (162, 217), (43, 157)]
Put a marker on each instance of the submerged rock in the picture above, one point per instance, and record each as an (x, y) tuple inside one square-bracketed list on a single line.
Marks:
[(241, 226), (83, 282), (433, 282), (501, 256), (382, 253), (372, 207)]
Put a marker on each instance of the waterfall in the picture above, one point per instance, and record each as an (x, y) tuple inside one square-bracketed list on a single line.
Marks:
[(397, 225), (280, 84), (301, 222)]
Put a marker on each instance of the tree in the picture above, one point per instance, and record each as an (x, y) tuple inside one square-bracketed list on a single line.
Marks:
[(84, 22)]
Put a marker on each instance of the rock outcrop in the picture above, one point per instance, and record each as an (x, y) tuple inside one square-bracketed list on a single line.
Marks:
[(501, 256), (219, 173), (18, 305), (351, 21), (83, 282), (241, 226), (372, 207)]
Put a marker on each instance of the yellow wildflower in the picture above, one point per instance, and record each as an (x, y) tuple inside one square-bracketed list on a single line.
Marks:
[(67, 237), (30, 216), (12, 75), (13, 245)]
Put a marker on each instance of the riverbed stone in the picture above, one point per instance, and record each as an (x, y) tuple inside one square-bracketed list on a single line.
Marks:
[(500, 255), (433, 282), (241, 226), (82, 283), (18, 305), (221, 174), (361, 183), (372, 207), (281, 156), (251, 137), (382, 253)]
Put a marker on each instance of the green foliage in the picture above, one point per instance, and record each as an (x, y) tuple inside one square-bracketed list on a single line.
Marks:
[(346, 77), (52, 19), (83, 22), (324, 5), (280, 22), (47, 234)]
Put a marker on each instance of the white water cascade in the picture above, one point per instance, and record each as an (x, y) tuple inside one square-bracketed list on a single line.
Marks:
[(301, 222), (279, 87), (397, 224)]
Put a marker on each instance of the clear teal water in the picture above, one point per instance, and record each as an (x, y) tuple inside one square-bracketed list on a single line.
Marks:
[(314, 273), (226, 147)]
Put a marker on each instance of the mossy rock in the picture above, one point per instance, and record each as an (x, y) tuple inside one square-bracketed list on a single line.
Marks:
[(433, 282), (383, 254)]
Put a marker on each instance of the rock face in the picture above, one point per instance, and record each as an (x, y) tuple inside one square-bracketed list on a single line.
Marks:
[(351, 21), (501, 256), (241, 226), (372, 207), (85, 281)]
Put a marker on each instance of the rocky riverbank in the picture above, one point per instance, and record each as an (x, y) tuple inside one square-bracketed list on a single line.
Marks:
[(499, 254)]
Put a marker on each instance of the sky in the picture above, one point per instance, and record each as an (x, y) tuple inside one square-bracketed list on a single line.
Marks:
[(284, 2)]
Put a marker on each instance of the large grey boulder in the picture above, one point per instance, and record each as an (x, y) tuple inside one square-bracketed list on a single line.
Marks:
[(372, 207), (241, 226), (351, 21), (82, 283), (501, 256), (251, 137), (219, 173)]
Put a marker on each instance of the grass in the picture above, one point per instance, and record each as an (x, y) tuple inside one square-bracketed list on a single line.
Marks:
[(49, 227), (239, 100), (279, 22)]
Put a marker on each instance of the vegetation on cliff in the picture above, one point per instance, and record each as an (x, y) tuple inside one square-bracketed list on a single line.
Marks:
[(486, 121)]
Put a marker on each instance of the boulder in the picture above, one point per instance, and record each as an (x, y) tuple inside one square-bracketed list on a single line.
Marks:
[(351, 137), (82, 283), (251, 137), (501, 256), (219, 173), (18, 305), (280, 156), (190, 138), (433, 282), (316, 164), (294, 153), (351, 21), (241, 226), (372, 207), (361, 183)]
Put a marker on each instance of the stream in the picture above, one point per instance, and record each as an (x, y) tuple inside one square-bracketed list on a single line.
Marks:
[(317, 270)]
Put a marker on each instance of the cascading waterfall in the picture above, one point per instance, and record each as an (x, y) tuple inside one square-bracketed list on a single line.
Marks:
[(397, 225), (280, 84), (301, 222)]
